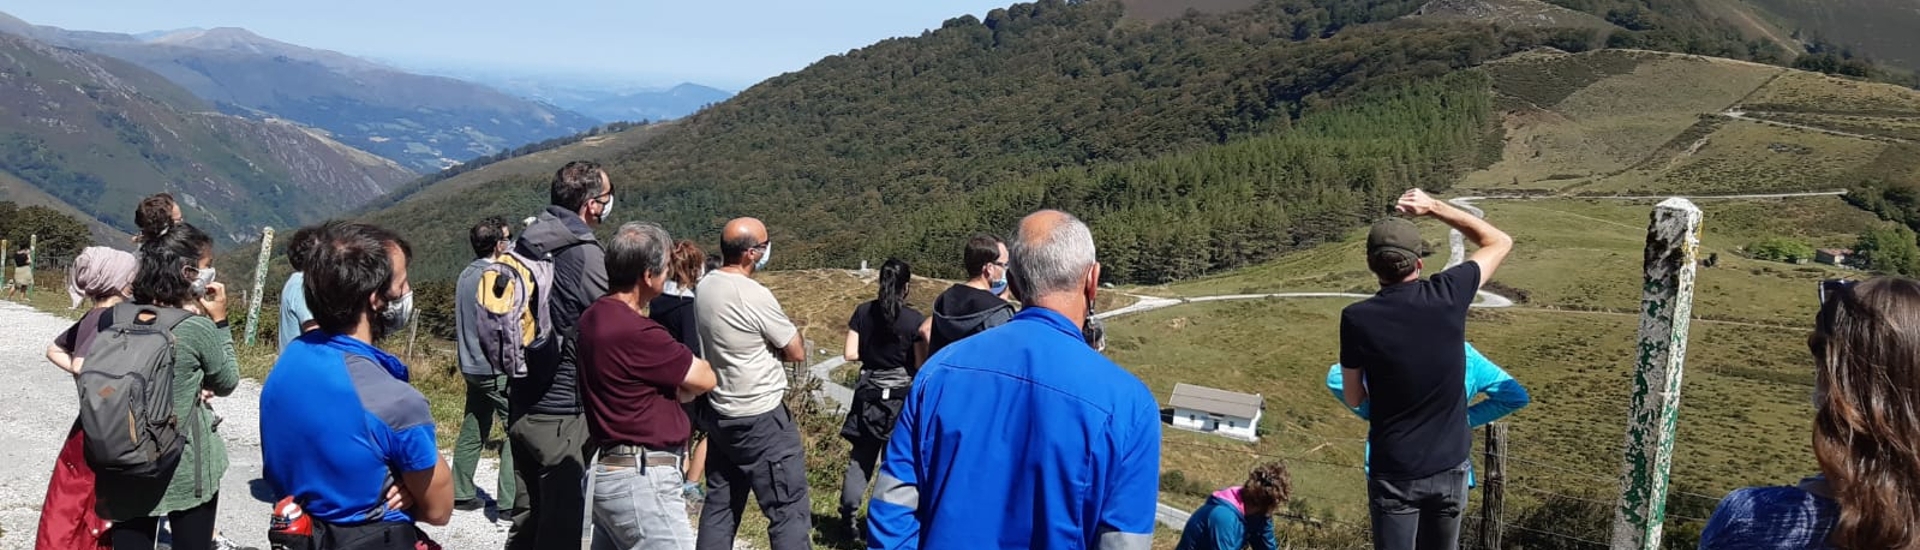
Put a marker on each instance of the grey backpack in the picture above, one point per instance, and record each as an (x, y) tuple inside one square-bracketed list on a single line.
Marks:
[(126, 394)]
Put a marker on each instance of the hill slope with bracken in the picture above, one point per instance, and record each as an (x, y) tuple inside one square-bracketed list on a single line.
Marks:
[(98, 134)]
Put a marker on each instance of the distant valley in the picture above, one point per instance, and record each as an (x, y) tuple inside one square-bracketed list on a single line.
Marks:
[(425, 123)]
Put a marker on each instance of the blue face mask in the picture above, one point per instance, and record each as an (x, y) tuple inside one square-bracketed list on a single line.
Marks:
[(999, 286)]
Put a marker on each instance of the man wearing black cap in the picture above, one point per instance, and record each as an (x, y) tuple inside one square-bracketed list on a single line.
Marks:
[(1401, 345)]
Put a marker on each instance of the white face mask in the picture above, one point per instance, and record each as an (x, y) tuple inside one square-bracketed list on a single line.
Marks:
[(765, 255), (201, 283), (396, 316), (606, 209)]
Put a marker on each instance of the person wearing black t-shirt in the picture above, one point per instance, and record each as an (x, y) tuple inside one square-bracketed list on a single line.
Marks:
[(979, 304), (1402, 344), (889, 340)]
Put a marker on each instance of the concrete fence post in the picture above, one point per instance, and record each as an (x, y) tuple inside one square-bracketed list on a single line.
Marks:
[(1666, 307), (259, 284), (6, 251), (33, 257)]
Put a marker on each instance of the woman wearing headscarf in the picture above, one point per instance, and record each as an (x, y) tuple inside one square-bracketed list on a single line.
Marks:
[(68, 520)]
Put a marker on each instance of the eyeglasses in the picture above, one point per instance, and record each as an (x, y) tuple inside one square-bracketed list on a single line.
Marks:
[(763, 244), (1831, 288)]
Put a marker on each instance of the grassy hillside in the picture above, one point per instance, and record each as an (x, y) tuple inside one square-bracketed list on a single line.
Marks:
[(99, 134), (1576, 265), (1638, 122)]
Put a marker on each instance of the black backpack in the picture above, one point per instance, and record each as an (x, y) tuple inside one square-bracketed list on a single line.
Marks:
[(126, 394)]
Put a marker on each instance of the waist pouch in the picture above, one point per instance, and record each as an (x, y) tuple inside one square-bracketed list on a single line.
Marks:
[(873, 412)]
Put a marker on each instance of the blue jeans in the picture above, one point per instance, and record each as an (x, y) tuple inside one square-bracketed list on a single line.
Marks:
[(639, 509)]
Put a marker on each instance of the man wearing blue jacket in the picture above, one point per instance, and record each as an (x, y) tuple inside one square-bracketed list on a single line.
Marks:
[(1504, 394), (1023, 436)]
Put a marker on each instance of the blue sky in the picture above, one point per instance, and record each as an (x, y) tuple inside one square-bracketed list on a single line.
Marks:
[(730, 44)]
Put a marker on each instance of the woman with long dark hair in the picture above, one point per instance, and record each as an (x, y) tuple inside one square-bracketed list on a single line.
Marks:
[(886, 337), (176, 270), (1866, 430)]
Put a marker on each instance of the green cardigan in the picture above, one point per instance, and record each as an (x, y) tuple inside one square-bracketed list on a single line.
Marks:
[(202, 359)]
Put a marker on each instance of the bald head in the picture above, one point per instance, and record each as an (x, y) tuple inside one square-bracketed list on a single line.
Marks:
[(739, 240), (1052, 255)]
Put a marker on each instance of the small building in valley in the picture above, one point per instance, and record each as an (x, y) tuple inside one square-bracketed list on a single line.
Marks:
[(1833, 256), (1206, 410)]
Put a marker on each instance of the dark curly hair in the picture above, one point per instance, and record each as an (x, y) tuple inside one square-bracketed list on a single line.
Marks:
[(164, 260)]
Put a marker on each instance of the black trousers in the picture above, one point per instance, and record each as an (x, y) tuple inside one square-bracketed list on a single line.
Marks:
[(762, 455), (1418, 514), (192, 529)]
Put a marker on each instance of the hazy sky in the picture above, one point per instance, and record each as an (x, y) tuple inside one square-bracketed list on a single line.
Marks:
[(724, 43)]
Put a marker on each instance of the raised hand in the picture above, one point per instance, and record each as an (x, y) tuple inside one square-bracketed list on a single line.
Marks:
[(1416, 203)]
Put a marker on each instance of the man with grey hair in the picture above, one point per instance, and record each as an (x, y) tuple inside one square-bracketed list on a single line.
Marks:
[(635, 375), (1024, 435)]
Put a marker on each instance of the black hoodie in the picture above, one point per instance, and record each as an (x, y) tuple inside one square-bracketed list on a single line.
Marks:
[(964, 311), (579, 277)]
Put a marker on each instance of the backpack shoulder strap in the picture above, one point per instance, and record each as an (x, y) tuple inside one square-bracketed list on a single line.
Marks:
[(128, 315)]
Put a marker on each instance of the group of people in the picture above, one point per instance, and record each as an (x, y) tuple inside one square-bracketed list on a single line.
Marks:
[(170, 283), (991, 421)]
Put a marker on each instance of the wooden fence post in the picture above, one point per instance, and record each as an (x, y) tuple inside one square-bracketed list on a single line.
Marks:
[(6, 269), (1493, 486), (259, 283), (1666, 307)]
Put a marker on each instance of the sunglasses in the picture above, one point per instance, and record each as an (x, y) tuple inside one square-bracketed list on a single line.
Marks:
[(1832, 288)]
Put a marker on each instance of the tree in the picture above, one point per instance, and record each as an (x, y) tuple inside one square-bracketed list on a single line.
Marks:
[(1782, 249), (1889, 250), (61, 235)]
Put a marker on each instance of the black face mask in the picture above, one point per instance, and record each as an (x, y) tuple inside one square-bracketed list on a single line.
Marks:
[(1094, 331)]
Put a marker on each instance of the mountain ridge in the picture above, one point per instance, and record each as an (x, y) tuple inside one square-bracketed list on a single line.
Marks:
[(98, 134), (424, 122)]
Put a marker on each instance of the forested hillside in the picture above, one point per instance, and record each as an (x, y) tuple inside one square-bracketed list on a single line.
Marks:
[(849, 158)]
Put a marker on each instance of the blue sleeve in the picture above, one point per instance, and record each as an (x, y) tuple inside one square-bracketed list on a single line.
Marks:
[(1263, 535), (414, 449), (1722, 530), (1335, 385), (1225, 539), (893, 514), (1504, 394), (1127, 517)]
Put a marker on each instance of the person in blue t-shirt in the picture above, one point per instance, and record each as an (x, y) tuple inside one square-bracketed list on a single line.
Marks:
[(1504, 394), (1023, 436), (341, 431), (295, 317)]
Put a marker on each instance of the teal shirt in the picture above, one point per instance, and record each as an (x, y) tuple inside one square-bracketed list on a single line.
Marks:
[(293, 308)]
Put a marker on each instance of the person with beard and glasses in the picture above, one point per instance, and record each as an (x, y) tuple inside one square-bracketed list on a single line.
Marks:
[(1024, 436), (342, 433), (546, 421)]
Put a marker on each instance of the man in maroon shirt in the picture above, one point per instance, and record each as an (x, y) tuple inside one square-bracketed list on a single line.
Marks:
[(635, 375)]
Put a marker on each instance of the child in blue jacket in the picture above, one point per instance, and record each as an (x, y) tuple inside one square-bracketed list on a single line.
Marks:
[(1240, 517)]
